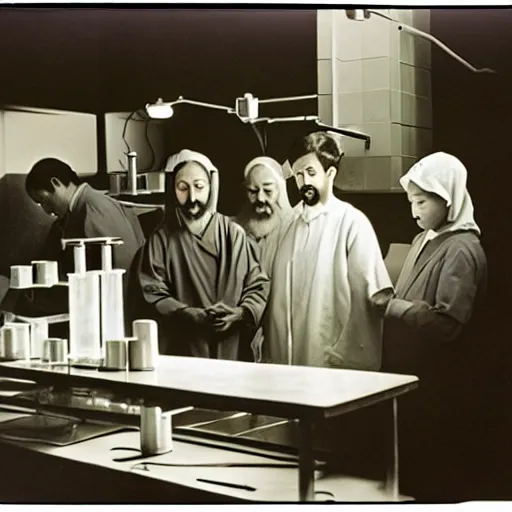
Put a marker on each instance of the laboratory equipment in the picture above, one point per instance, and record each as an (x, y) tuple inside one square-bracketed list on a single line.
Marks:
[(16, 341), (46, 273), (21, 276), (96, 310), (55, 350), (112, 301), (116, 355), (143, 349), (247, 110), (132, 172), (155, 431), (38, 333)]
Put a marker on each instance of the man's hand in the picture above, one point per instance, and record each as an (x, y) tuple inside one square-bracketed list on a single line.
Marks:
[(223, 317), (381, 299), (196, 316)]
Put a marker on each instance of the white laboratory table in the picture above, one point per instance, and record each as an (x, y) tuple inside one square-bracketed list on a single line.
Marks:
[(302, 393)]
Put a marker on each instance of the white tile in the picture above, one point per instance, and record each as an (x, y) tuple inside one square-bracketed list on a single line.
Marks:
[(406, 47), (349, 37), (409, 111), (324, 76), (377, 106), (377, 173), (394, 42), (408, 141), (396, 106), (396, 139), (376, 38), (376, 73), (325, 108), (403, 15), (350, 108), (423, 83), (423, 112), (350, 175), (407, 78), (397, 171), (424, 142), (353, 147), (350, 76), (324, 34), (380, 134), (423, 53), (394, 73)]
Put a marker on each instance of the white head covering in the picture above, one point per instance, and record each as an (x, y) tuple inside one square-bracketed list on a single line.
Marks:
[(446, 176), (265, 161), (186, 155)]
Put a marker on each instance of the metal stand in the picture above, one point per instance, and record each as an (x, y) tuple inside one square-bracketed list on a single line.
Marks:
[(306, 462), (393, 473)]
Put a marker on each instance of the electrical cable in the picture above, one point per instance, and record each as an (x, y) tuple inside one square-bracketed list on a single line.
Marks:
[(420, 33)]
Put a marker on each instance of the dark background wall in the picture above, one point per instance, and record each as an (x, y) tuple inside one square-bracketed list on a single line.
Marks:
[(99, 60)]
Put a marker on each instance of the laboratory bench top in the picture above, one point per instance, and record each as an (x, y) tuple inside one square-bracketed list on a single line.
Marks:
[(284, 391), (195, 471)]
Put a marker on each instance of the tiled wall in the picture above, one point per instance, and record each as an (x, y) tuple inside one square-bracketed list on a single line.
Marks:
[(383, 89)]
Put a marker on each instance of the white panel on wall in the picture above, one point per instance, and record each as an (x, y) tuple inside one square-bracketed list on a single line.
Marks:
[(30, 134), (151, 154)]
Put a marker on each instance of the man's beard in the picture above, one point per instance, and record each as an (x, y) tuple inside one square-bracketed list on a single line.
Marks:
[(259, 225), (310, 195), (193, 210), (262, 209)]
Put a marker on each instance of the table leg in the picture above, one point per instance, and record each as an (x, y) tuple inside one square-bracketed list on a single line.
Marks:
[(306, 462), (392, 476)]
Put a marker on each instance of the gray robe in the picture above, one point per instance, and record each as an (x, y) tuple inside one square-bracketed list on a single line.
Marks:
[(177, 269), (432, 330)]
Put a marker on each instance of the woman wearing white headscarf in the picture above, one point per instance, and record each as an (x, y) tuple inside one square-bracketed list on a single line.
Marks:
[(426, 324)]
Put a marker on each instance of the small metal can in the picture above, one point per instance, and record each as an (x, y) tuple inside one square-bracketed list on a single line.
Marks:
[(55, 350), (116, 356), (46, 273)]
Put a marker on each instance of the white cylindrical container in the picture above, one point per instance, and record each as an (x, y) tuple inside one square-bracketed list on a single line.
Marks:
[(38, 333), (84, 317), (106, 257), (143, 350), (165, 440), (46, 273), (155, 431), (55, 350), (132, 173), (112, 305), (17, 341), (79, 258), (21, 276)]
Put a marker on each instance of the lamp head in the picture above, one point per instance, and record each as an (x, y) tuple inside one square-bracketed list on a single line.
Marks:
[(159, 110), (357, 14)]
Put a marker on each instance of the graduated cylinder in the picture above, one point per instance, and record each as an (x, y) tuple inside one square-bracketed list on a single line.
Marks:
[(112, 305), (84, 316)]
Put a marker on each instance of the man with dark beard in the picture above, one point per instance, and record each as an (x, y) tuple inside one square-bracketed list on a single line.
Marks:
[(326, 269), (265, 216), (198, 272)]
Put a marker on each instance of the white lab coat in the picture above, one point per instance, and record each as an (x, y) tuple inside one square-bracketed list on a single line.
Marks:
[(337, 266)]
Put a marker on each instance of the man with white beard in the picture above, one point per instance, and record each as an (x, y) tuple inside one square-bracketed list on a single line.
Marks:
[(265, 216)]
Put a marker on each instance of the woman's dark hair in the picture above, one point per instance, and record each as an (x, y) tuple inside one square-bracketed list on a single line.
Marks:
[(322, 145), (41, 174)]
